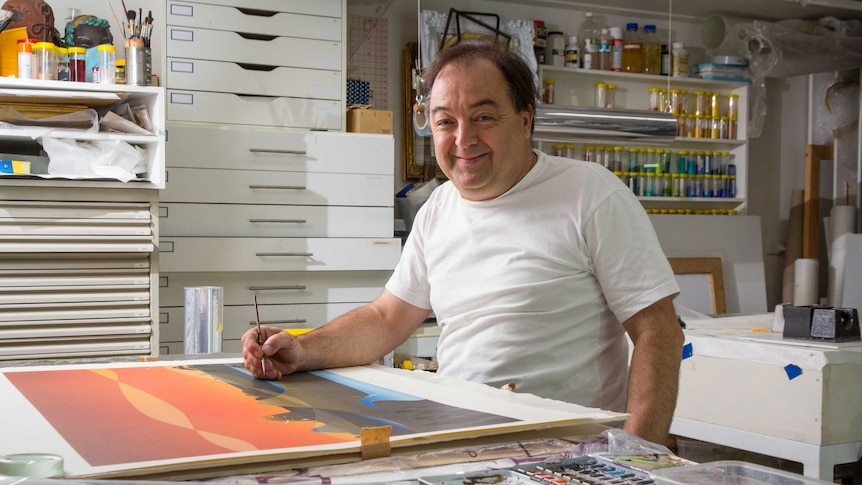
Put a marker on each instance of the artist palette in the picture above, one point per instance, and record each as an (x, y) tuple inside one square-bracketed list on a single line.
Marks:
[(583, 470)]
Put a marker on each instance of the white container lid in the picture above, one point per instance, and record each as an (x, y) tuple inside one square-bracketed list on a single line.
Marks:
[(34, 465)]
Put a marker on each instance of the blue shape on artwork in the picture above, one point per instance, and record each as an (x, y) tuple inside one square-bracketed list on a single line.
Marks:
[(375, 393)]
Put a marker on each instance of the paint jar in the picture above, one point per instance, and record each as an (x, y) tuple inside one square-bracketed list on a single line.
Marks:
[(44, 61), (732, 128), (559, 149), (570, 150), (120, 72), (634, 160), (77, 64), (722, 127), (107, 64), (612, 94), (62, 64), (617, 158), (25, 58), (548, 91), (600, 156), (700, 103), (714, 130), (654, 99), (732, 105), (589, 153), (714, 104), (601, 90)]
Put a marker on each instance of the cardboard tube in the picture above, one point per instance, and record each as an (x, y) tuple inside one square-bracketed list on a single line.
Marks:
[(805, 282), (842, 221), (794, 243)]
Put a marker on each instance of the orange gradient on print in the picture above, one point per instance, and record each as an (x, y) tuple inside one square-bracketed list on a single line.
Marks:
[(129, 415)]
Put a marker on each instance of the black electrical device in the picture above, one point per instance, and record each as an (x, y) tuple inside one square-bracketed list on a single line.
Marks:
[(821, 323)]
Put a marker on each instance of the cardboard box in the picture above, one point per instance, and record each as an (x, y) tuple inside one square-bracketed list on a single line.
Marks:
[(369, 121)]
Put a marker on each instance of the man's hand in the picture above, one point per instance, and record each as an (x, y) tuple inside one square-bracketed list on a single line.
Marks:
[(283, 353)]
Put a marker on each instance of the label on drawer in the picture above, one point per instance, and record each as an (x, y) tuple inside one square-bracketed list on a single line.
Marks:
[(182, 66), (180, 9), (385, 242), (182, 98), (184, 35)]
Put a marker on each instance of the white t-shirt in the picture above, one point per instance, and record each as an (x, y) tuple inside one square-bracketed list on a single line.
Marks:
[(531, 287)]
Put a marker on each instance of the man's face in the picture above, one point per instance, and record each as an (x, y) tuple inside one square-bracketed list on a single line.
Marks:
[(482, 143)]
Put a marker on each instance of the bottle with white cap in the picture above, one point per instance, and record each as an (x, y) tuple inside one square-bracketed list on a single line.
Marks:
[(679, 60), (616, 48), (573, 53)]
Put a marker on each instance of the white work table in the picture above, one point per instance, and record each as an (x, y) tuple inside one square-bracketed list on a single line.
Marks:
[(755, 391)]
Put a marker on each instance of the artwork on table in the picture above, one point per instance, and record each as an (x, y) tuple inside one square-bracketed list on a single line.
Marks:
[(110, 418)]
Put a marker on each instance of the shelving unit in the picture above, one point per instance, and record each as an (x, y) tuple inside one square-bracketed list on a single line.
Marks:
[(78, 259), (576, 87)]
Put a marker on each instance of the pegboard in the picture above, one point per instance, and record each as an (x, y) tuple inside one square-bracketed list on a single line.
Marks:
[(367, 56)]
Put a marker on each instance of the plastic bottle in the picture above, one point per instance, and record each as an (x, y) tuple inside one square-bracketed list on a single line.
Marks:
[(651, 51), (573, 53), (665, 61), (604, 50), (632, 49), (679, 63), (555, 49), (589, 42), (616, 48), (25, 58)]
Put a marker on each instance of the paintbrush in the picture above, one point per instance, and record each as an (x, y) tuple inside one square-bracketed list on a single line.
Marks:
[(259, 335), (130, 15), (122, 27)]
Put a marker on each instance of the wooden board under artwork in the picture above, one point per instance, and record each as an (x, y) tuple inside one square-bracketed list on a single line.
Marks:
[(141, 419)]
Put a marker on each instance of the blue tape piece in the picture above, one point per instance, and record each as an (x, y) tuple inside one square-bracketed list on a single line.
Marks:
[(793, 371), (687, 351)]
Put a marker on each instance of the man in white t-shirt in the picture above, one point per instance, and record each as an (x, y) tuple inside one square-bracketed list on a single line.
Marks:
[(535, 266)]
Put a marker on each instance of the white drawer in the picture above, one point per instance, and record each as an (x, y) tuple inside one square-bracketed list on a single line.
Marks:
[(274, 288), (208, 107), (180, 219), (324, 8), (258, 187), (231, 77), (238, 319), (277, 254), (259, 148), (217, 45), (188, 14)]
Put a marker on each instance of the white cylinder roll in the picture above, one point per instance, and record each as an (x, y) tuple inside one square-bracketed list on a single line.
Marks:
[(805, 282), (843, 221), (204, 314)]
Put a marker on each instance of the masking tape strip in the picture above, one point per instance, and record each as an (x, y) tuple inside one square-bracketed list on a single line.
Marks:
[(374, 442)]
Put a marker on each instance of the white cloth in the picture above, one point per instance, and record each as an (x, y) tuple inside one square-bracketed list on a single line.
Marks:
[(530, 287)]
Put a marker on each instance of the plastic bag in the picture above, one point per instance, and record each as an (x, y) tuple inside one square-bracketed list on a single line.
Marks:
[(111, 159)]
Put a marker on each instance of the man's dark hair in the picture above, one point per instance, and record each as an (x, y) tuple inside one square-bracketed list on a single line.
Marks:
[(522, 87)]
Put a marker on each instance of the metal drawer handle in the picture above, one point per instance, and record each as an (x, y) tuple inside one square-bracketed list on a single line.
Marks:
[(280, 322), (281, 152), (306, 255), (277, 187), (268, 288), (278, 221)]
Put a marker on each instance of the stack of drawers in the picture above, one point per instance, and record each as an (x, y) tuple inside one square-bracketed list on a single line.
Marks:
[(255, 202), (260, 62)]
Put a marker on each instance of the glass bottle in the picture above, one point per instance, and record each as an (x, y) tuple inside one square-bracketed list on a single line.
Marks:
[(651, 51), (616, 49), (679, 61), (62, 64), (632, 49)]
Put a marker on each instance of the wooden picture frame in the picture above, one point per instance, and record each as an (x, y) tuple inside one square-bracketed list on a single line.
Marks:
[(711, 268)]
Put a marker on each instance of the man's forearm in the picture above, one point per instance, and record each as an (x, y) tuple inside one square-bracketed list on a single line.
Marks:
[(654, 374)]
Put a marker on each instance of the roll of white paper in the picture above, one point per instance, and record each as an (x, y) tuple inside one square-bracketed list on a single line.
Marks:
[(204, 312), (842, 222), (805, 282)]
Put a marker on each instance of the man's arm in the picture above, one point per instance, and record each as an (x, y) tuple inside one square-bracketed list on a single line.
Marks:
[(358, 337), (654, 373)]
